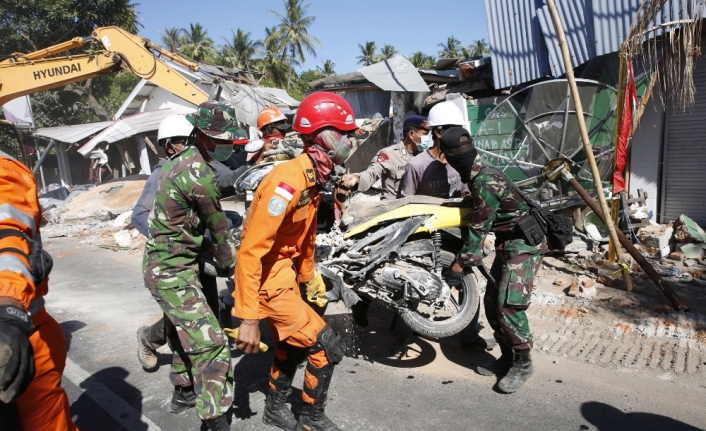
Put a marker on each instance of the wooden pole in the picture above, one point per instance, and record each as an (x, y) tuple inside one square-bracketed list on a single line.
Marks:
[(586, 141)]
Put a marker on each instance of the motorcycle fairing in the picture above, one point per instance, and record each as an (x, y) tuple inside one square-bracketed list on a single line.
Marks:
[(440, 217)]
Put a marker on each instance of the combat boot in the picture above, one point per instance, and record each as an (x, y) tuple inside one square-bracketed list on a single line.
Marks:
[(500, 366), (313, 417), (521, 370), (146, 351), (183, 399), (217, 424), (276, 412)]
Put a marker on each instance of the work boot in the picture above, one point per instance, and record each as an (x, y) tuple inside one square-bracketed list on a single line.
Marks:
[(313, 417), (500, 366), (521, 370), (146, 354), (276, 412), (183, 399), (217, 424)]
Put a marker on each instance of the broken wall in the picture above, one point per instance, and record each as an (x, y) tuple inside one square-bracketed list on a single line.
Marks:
[(645, 155)]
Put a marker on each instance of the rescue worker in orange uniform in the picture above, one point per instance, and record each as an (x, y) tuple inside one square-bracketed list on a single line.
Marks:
[(32, 345), (277, 253)]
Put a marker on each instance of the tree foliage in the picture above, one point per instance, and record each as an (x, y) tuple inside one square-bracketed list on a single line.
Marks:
[(450, 49), (172, 38), (328, 68), (367, 53), (386, 53), (196, 44), (294, 27)]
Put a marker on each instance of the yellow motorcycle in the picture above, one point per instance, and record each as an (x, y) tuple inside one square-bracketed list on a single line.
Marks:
[(395, 253)]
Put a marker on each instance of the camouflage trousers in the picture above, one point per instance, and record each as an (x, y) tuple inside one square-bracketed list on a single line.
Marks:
[(514, 269), (201, 349)]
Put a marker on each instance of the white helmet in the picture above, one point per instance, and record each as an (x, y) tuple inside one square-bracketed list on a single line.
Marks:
[(445, 114), (173, 126)]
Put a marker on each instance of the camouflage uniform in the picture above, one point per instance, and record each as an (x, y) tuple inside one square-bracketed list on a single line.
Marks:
[(497, 207), (186, 204), (388, 166)]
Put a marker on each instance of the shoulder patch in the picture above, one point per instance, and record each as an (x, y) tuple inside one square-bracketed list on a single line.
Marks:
[(383, 157), (304, 198), (285, 190), (310, 175), (276, 206)]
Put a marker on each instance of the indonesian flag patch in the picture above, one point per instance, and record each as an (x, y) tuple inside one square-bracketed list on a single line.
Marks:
[(383, 157), (285, 190)]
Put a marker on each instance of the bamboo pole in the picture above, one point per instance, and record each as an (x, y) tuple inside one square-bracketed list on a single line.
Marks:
[(625, 270)]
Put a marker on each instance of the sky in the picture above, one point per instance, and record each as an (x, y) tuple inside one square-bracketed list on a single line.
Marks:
[(340, 25)]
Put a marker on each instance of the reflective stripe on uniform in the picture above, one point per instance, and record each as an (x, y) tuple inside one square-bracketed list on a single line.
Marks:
[(14, 264), (8, 211)]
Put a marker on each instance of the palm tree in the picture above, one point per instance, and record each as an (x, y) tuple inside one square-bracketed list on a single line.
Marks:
[(172, 38), (274, 64), (367, 52), (242, 49), (451, 49), (294, 25), (480, 48), (328, 69), (417, 59), (387, 52), (197, 45)]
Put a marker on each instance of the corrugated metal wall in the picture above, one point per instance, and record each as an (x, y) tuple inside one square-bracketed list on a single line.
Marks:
[(522, 39), (684, 158)]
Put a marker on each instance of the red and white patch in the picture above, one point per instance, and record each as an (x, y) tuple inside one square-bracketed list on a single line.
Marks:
[(383, 157), (285, 190)]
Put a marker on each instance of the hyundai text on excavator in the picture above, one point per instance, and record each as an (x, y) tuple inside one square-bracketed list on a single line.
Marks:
[(22, 74)]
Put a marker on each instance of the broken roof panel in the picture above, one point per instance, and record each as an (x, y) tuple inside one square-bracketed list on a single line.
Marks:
[(395, 74), (281, 95), (72, 134), (127, 127)]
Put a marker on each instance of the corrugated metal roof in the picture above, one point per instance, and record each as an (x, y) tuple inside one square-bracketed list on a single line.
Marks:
[(524, 47), (281, 95), (72, 134), (127, 127), (395, 74)]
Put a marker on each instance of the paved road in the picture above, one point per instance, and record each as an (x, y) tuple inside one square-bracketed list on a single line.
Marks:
[(98, 297)]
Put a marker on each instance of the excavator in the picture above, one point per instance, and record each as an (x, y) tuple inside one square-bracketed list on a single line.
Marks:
[(22, 74)]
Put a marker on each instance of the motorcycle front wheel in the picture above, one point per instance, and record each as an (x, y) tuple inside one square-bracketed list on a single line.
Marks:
[(461, 309)]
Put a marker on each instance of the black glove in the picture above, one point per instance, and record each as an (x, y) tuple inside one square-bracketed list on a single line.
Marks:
[(16, 354), (453, 278)]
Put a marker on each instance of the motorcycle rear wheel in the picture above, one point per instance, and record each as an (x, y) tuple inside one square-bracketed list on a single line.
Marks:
[(429, 326)]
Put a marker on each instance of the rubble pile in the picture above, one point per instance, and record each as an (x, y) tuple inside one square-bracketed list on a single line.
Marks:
[(98, 216)]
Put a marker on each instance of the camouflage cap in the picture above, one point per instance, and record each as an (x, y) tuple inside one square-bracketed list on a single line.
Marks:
[(217, 120)]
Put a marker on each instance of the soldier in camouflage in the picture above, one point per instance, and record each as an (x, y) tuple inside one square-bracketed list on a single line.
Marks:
[(187, 203), (497, 207)]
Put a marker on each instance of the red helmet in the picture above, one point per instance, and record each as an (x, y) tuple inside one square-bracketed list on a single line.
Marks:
[(324, 109)]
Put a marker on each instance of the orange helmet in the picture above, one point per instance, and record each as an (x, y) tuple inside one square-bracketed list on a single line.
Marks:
[(269, 115)]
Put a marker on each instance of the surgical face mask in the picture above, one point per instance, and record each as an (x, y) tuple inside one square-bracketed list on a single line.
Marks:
[(424, 141), (222, 152)]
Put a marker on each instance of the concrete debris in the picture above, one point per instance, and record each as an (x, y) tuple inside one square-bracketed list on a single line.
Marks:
[(688, 231), (656, 237), (560, 282), (574, 290), (608, 282), (123, 220), (104, 202), (123, 238), (690, 263), (691, 250), (576, 246), (676, 255)]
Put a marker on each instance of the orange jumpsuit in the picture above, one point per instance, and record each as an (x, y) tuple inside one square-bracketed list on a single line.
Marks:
[(276, 253), (44, 406)]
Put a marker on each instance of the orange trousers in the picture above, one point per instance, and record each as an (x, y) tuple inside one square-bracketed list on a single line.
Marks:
[(291, 320), (44, 406)]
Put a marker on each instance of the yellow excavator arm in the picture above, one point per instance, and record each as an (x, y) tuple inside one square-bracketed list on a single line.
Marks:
[(23, 74)]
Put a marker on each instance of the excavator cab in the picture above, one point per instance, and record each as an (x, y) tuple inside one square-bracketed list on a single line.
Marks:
[(11, 142)]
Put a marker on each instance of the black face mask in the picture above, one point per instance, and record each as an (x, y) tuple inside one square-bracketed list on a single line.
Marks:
[(463, 163)]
